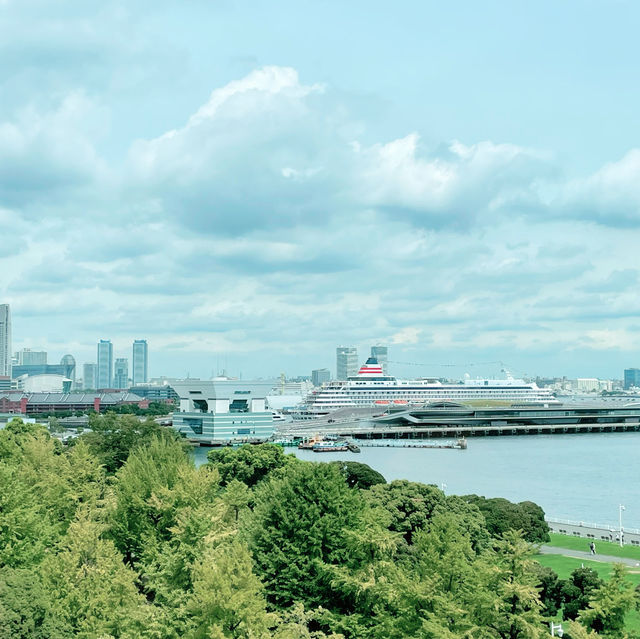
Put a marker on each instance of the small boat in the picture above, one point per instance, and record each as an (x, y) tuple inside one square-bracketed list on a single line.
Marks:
[(330, 447), (353, 447), (308, 444)]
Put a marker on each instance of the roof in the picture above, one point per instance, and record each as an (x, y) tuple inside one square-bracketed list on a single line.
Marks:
[(71, 398)]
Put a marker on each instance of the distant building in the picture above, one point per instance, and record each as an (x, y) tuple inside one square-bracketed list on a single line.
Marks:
[(223, 410), (20, 402), (320, 376), (27, 357), (346, 362), (121, 373), (5, 382), (37, 369), (631, 378), (5, 340), (44, 384), (140, 373), (381, 354), (104, 374), (69, 363), (89, 371), (587, 384), (156, 392)]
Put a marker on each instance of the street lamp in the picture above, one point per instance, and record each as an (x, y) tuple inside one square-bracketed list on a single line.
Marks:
[(620, 509)]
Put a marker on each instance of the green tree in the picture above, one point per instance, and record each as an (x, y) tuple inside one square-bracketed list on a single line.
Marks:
[(502, 515), (409, 504), (576, 592), (248, 463), (508, 605), (112, 437), (609, 605), (227, 600), (359, 475), (299, 524)]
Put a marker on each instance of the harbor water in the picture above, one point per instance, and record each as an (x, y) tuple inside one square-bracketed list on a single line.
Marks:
[(579, 477)]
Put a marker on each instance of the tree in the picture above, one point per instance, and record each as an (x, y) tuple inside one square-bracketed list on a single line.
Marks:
[(227, 600), (248, 463), (410, 504), (549, 588), (112, 437), (576, 592), (508, 606), (359, 475), (609, 605), (502, 515), (151, 488), (299, 524)]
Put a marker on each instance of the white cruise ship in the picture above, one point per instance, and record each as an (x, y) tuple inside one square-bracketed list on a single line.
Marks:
[(371, 388)]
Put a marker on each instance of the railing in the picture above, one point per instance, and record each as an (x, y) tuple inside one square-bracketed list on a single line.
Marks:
[(584, 524)]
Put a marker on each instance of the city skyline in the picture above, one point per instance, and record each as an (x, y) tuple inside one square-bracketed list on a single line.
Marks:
[(453, 185)]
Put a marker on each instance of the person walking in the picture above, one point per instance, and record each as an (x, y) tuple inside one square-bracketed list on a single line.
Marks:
[(592, 548)]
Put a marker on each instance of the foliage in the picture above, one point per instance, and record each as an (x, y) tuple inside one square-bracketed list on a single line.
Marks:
[(248, 463), (299, 524), (501, 516), (577, 590), (112, 437), (359, 475), (409, 504)]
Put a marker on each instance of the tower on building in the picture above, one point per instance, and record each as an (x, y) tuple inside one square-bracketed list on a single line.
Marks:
[(346, 362), (121, 373), (140, 362), (104, 374), (5, 340), (381, 354)]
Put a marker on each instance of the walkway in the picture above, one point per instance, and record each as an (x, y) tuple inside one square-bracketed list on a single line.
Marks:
[(579, 554)]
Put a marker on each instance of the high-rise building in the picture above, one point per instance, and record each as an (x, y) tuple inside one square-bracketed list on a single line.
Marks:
[(121, 373), (320, 376), (380, 353), (69, 363), (5, 340), (631, 378), (140, 362), (346, 362), (89, 371), (27, 357), (104, 375)]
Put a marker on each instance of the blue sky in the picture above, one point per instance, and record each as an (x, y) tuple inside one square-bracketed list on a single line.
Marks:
[(256, 183)]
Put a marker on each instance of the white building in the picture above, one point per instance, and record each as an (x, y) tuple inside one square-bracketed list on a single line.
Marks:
[(5, 340)]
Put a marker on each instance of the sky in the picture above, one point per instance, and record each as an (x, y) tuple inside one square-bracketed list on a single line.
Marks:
[(248, 185)]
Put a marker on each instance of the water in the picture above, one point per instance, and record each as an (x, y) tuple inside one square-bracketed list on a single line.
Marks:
[(580, 477)]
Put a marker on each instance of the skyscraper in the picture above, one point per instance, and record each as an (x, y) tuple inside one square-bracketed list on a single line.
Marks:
[(140, 361), (380, 353), (121, 373), (5, 340), (89, 375), (105, 364), (320, 376), (346, 362)]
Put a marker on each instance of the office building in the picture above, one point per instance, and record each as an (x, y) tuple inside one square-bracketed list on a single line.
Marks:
[(5, 340), (104, 374), (380, 353), (89, 375), (69, 363), (121, 373), (346, 362), (320, 376), (27, 357), (631, 378), (140, 362)]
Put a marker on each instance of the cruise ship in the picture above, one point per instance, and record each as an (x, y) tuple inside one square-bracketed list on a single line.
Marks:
[(371, 388)]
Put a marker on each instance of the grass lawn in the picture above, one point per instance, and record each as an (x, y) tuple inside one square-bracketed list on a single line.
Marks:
[(564, 566), (602, 547)]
